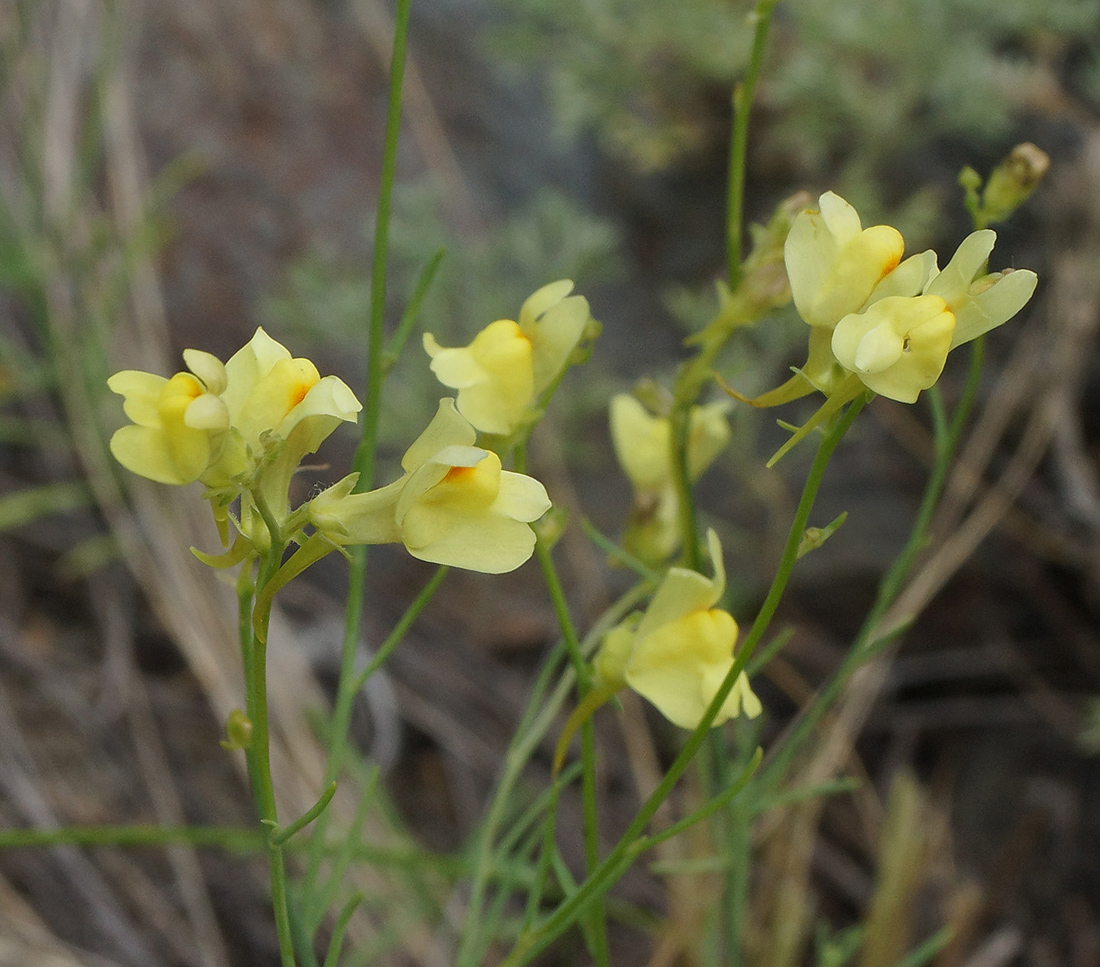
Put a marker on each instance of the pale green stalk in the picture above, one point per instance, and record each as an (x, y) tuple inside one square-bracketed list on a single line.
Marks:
[(243, 840), (533, 725), (632, 843), (596, 921), (696, 373), (866, 643), (365, 454), (742, 105), (259, 749)]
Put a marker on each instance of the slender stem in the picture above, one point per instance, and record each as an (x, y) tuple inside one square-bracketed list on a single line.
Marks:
[(597, 923), (868, 642), (742, 105), (364, 461), (401, 628), (364, 457), (226, 837), (631, 844), (694, 374), (259, 756), (679, 433), (279, 837), (533, 725)]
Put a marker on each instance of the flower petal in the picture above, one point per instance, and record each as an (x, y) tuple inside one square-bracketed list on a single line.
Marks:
[(542, 299), (521, 497), (208, 368), (996, 305), (683, 591), (447, 427), (247, 367), (641, 443), (675, 665), (973, 252), (141, 394)]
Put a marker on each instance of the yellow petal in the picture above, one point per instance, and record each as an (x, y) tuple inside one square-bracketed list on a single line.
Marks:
[(447, 428), (493, 376), (866, 342), (683, 591), (208, 368), (675, 665), (641, 443), (170, 458), (247, 367), (141, 395), (833, 265)]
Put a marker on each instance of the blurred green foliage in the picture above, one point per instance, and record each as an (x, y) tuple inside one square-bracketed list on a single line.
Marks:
[(849, 85)]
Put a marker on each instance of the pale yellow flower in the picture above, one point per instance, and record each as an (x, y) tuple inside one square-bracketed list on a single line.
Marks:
[(280, 409), (642, 444), (503, 372), (834, 264), (241, 428), (454, 505), (179, 423), (680, 651), (898, 346)]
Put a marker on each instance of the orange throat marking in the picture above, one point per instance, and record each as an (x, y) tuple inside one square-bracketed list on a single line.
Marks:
[(458, 474)]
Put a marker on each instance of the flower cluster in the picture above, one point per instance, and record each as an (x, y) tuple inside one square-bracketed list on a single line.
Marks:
[(877, 322), (243, 428), (678, 653)]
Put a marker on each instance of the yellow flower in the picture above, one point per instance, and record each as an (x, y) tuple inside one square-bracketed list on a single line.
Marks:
[(833, 263), (680, 651), (280, 409), (898, 346), (503, 372), (896, 325), (454, 505), (179, 423), (642, 445), (241, 428)]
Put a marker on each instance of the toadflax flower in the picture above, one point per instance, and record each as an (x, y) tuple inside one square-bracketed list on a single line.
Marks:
[(240, 428), (179, 423), (453, 505), (834, 263), (679, 652), (643, 447), (280, 409), (503, 372), (898, 345), (877, 327)]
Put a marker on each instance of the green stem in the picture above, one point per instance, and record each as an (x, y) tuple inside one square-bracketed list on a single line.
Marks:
[(226, 837), (259, 760), (534, 724), (631, 843), (867, 642), (396, 636), (742, 105), (280, 836), (679, 433), (694, 374), (597, 922), (351, 684), (364, 462)]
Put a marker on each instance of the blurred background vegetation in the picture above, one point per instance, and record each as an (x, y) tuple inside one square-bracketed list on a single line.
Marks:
[(173, 175)]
